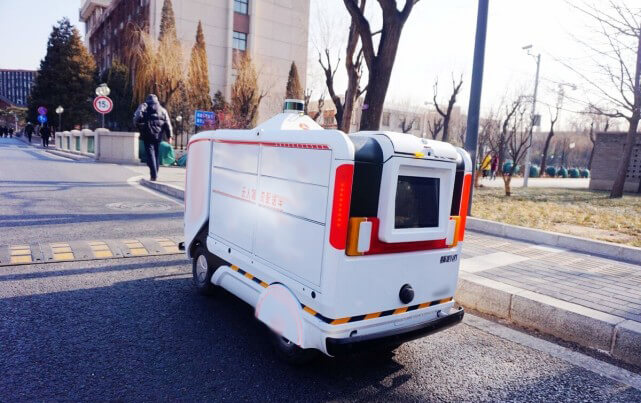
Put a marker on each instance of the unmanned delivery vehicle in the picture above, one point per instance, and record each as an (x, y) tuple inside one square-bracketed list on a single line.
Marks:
[(339, 242)]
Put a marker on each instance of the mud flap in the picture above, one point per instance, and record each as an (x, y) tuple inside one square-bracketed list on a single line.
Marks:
[(281, 311)]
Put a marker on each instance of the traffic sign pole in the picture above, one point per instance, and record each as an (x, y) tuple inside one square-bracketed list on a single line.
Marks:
[(103, 105)]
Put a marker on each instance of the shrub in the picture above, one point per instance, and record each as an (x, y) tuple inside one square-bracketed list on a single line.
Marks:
[(550, 171)]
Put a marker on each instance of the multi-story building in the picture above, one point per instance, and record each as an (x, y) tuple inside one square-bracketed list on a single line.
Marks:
[(273, 32), (15, 86)]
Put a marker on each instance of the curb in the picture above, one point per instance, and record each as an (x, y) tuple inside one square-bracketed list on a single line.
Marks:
[(619, 337), (600, 248), (55, 151), (164, 188), (72, 156)]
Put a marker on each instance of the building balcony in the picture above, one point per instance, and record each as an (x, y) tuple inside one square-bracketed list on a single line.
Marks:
[(89, 6)]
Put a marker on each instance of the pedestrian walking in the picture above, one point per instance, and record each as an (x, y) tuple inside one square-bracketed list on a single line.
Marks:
[(45, 133), (2, 131), (11, 132), (152, 121), (495, 166), (28, 130), (485, 166)]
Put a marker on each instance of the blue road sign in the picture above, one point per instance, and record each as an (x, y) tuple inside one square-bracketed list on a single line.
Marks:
[(205, 118), (42, 118)]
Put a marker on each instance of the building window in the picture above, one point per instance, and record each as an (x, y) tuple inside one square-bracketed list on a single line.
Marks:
[(240, 41), (241, 6), (386, 119)]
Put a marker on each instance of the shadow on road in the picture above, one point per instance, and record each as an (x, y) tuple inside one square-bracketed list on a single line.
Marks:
[(155, 338)]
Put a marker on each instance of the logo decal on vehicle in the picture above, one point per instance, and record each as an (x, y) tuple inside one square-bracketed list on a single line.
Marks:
[(449, 258)]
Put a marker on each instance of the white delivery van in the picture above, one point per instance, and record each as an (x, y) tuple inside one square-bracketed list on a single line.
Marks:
[(339, 242)]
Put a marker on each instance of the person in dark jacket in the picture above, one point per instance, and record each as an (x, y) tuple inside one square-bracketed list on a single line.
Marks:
[(28, 130), (45, 133), (11, 132), (152, 121)]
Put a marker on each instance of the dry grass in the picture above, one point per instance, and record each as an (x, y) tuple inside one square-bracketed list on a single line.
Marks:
[(577, 212)]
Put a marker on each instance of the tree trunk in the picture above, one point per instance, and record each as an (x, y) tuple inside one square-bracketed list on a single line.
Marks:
[(446, 128), (545, 151), (619, 183), (506, 181), (380, 74), (591, 157), (350, 96)]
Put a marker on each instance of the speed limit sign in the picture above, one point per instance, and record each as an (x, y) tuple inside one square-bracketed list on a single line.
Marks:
[(103, 104)]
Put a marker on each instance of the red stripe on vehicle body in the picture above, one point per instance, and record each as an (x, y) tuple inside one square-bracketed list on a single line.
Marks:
[(379, 247)]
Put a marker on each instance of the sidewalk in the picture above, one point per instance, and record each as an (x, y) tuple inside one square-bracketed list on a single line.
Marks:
[(586, 299)]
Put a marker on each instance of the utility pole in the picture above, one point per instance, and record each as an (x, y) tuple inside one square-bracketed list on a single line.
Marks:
[(474, 108), (528, 153)]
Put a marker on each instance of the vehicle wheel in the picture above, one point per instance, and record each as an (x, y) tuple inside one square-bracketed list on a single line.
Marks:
[(290, 352), (203, 267)]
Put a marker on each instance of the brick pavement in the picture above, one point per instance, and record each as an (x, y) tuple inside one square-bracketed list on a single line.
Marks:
[(602, 284)]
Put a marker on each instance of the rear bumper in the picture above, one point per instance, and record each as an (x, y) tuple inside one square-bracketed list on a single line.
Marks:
[(395, 336)]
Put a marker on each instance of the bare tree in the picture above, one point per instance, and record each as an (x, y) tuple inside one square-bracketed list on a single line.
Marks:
[(379, 62), (592, 136), (435, 126), (407, 125), (511, 139), (489, 130), (321, 102), (447, 113), (354, 69), (617, 57), (554, 117)]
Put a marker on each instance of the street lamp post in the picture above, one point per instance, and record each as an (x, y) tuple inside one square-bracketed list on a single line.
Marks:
[(528, 153), (474, 109), (103, 91), (179, 120), (59, 111)]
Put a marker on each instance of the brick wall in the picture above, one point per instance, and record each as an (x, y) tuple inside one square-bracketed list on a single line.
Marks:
[(607, 154)]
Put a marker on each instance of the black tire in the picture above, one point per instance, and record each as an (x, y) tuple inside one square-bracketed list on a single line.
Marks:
[(202, 276), (290, 352)]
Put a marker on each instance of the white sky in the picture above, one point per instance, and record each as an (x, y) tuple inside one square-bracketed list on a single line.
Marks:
[(438, 39)]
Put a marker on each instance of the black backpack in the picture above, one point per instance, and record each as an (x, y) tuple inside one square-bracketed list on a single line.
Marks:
[(153, 124)]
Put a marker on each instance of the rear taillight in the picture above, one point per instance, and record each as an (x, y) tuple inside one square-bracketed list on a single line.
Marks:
[(340, 206), (465, 202)]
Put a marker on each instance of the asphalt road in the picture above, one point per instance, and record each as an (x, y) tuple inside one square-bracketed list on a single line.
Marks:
[(135, 329), (46, 198)]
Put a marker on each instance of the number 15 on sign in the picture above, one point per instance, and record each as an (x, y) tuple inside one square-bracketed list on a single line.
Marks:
[(103, 105)]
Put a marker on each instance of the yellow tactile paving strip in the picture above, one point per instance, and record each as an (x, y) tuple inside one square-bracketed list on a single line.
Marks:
[(20, 254), (87, 250), (61, 251), (169, 245), (100, 250), (136, 248)]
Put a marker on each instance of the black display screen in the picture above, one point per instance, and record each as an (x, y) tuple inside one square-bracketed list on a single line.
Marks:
[(417, 202)]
